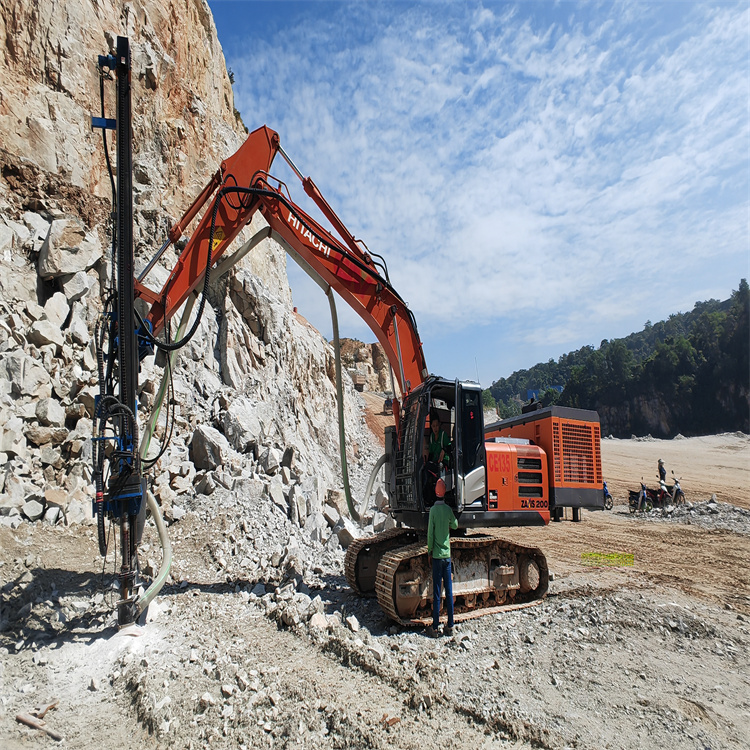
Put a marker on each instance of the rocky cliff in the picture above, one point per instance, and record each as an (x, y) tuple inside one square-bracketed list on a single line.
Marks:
[(369, 361), (255, 401)]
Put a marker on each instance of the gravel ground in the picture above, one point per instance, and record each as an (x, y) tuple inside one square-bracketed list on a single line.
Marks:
[(231, 660), (708, 514), (256, 641)]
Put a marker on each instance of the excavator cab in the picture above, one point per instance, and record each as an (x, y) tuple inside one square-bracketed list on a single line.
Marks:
[(459, 408)]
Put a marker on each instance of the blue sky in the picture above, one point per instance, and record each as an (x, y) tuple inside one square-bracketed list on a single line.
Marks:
[(538, 176)]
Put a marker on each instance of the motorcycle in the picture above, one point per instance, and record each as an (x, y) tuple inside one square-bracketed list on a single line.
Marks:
[(642, 500), (663, 495), (607, 498), (678, 496)]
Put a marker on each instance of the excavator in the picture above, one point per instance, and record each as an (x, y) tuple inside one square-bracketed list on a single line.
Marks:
[(491, 482)]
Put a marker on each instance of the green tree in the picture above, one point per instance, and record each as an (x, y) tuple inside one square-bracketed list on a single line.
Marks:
[(695, 366), (488, 402), (550, 397)]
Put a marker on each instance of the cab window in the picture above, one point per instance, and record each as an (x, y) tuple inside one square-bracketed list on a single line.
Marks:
[(472, 438)]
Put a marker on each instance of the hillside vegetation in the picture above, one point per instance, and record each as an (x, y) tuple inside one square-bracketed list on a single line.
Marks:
[(688, 374)]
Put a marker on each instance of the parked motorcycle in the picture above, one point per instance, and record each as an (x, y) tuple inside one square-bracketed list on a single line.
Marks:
[(663, 495), (648, 498), (641, 500), (678, 496), (607, 498)]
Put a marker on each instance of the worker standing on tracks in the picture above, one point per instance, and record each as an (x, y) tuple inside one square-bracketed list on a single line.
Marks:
[(441, 522)]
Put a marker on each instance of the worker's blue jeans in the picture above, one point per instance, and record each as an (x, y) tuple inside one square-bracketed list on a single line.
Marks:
[(441, 573)]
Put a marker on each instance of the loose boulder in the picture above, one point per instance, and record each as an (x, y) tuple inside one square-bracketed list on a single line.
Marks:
[(241, 425), (77, 286), (43, 332), (68, 249), (33, 510), (50, 413), (57, 309), (208, 448)]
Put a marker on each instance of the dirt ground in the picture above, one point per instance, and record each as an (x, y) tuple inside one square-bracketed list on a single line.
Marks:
[(377, 420), (714, 568), (714, 464), (649, 655)]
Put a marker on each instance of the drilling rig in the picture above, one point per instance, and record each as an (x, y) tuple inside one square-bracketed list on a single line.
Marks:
[(491, 481)]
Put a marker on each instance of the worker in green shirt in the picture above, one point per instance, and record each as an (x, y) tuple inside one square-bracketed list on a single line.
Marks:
[(439, 442), (441, 522), (436, 456)]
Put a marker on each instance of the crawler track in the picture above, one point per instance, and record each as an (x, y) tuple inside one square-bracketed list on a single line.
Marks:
[(363, 556), (490, 574)]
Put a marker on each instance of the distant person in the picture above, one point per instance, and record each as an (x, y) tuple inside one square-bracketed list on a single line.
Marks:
[(441, 522), (662, 471)]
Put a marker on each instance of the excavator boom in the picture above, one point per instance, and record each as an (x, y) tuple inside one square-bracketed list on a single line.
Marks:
[(486, 484), (243, 187)]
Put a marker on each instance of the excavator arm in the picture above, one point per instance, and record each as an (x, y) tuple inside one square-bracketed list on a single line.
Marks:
[(243, 187), (256, 153)]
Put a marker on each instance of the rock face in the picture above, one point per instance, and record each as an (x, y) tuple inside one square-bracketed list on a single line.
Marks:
[(49, 70), (641, 416), (369, 361), (254, 402)]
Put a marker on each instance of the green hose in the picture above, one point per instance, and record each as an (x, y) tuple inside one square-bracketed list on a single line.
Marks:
[(340, 402), (384, 459), (166, 558)]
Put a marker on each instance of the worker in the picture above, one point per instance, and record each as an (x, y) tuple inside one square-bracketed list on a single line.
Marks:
[(662, 471), (441, 522), (439, 442)]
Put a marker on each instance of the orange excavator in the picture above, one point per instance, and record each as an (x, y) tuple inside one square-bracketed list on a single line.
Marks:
[(490, 482), (489, 485)]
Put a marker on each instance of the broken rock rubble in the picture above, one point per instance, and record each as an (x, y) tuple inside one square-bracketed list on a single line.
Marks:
[(48, 384)]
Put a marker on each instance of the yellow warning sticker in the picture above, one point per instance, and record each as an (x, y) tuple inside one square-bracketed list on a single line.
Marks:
[(218, 238)]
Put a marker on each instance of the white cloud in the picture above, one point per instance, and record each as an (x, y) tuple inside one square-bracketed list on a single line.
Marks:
[(512, 160)]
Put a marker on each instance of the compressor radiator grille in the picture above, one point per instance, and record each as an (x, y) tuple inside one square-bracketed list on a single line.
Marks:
[(581, 462)]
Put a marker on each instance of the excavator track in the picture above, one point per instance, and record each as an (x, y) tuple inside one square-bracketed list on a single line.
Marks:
[(490, 574), (363, 555)]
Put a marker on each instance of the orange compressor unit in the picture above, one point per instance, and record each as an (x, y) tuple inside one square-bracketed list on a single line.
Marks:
[(517, 482), (571, 439)]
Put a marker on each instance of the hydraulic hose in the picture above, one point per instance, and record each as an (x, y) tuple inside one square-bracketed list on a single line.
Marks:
[(340, 403), (151, 426), (166, 558), (166, 546), (373, 474)]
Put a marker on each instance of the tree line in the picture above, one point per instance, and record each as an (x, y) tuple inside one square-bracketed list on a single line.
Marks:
[(689, 374)]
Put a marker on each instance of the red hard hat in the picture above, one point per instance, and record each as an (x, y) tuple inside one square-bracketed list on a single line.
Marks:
[(440, 488)]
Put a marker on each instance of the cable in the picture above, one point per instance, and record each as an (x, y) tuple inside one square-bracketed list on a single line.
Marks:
[(113, 212), (343, 251), (104, 132), (270, 193), (146, 465)]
